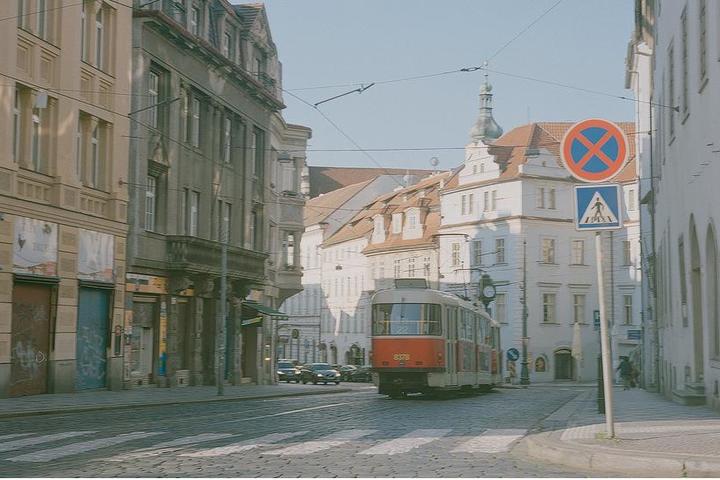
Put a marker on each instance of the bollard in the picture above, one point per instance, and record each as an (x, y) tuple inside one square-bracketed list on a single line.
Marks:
[(601, 390)]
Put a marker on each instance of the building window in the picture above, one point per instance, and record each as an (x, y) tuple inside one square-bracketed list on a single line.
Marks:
[(578, 252), (194, 20), (455, 251), (501, 307), (227, 140), (551, 199), (35, 143), (684, 59), (499, 250), (193, 213), (17, 125), (412, 221), (632, 205), (548, 308), (703, 41), (83, 32), (224, 210), (154, 98), (540, 198), (627, 309), (227, 40), (486, 201), (477, 252), (99, 38), (22, 13), (671, 91), (396, 268), (259, 149), (150, 202), (579, 308), (471, 203), (290, 250), (411, 267), (41, 27), (548, 250), (426, 267), (493, 200), (463, 205), (397, 223), (626, 248), (195, 122), (79, 154)]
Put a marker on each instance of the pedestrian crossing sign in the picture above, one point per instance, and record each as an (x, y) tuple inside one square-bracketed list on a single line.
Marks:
[(597, 207)]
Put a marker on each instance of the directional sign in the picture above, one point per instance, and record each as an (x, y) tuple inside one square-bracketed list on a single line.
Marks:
[(513, 354), (594, 150), (597, 207)]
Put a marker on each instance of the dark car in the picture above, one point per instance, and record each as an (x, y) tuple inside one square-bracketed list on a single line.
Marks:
[(362, 374), (288, 372), (319, 372), (346, 371)]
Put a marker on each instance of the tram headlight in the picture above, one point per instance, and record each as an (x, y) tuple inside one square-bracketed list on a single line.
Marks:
[(319, 374)]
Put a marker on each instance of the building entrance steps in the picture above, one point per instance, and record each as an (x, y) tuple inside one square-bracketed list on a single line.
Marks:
[(46, 404), (653, 437)]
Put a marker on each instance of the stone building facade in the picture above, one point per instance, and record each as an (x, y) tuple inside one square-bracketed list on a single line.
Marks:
[(207, 143), (63, 194)]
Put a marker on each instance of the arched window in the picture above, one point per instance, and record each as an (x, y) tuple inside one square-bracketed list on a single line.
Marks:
[(713, 292)]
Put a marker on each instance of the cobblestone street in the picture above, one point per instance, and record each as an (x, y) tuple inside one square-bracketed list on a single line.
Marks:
[(347, 434)]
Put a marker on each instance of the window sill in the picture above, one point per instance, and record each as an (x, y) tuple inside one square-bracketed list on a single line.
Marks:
[(550, 324), (703, 84), (578, 265), (686, 115)]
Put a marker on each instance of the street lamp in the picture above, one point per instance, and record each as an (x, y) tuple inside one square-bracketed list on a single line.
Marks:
[(524, 372)]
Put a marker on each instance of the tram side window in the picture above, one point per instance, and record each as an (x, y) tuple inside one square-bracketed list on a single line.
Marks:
[(407, 319)]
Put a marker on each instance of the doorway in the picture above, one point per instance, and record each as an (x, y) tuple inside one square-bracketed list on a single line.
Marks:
[(92, 338), (142, 339), (564, 365), (30, 339)]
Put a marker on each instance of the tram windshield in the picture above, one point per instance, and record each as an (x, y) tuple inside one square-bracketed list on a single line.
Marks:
[(407, 319)]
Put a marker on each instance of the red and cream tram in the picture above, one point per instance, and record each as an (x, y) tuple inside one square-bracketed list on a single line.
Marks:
[(425, 341)]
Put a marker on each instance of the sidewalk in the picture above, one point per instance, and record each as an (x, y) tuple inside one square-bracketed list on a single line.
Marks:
[(653, 437), (146, 397)]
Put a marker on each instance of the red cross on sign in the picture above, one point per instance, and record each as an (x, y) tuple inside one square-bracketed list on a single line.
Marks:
[(594, 150)]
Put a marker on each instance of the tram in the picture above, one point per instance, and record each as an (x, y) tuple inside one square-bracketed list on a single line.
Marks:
[(430, 341)]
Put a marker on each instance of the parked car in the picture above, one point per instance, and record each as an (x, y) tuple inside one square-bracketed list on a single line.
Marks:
[(346, 371), (287, 372), (319, 372), (362, 374)]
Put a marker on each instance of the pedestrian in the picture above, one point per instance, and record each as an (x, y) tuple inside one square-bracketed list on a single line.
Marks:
[(626, 370)]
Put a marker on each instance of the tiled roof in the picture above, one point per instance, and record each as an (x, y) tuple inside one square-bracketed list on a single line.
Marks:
[(510, 150), (398, 201), (327, 179), (319, 208)]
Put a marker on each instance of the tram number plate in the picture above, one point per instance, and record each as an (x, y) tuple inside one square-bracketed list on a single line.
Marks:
[(401, 356)]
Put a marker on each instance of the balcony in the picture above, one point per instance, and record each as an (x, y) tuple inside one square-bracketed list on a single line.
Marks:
[(197, 255)]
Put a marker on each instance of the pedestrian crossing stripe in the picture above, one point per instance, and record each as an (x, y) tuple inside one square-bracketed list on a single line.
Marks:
[(489, 441), (597, 207)]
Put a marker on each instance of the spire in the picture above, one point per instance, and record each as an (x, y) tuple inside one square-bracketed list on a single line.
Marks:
[(485, 128)]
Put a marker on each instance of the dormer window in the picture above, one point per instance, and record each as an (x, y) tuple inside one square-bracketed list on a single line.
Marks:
[(397, 223), (378, 235), (412, 221)]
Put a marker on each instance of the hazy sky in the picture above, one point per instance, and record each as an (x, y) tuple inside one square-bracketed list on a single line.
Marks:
[(329, 42)]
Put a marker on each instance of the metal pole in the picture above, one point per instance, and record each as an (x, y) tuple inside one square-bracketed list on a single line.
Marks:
[(222, 313), (524, 372), (604, 341)]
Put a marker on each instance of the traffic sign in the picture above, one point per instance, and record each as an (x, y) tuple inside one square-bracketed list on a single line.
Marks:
[(597, 207), (594, 150), (513, 354)]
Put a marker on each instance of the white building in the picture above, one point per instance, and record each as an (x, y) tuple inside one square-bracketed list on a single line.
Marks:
[(510, 207), (300, 337), (682, 79)]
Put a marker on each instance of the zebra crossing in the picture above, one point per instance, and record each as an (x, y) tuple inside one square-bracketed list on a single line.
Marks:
[(33, 447)]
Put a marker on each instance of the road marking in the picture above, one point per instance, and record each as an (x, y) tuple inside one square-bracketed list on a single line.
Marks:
[(491, 441), (323, 443), (169, 447), (407, 442), (288, 412), (15, 435), (244, 445), (81, 447), (16, 444)]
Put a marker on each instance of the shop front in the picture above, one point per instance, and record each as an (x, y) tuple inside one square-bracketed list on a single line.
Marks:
[(259, 342)]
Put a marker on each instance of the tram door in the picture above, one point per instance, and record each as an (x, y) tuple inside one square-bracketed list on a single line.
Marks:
[(451, 347)]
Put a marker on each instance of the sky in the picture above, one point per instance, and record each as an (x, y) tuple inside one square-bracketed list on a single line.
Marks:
[(323, 43)]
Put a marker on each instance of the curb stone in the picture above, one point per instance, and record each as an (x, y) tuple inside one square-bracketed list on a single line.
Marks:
[(121, 406), (548, 447)]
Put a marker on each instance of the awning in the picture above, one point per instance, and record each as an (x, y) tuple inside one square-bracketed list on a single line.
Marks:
[(254, 312)]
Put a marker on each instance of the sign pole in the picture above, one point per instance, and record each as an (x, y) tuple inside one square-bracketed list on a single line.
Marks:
[(604, 341)]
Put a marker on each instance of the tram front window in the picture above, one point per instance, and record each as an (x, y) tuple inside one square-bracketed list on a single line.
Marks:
[(407, 319)]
